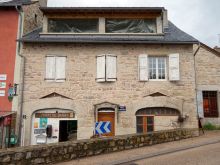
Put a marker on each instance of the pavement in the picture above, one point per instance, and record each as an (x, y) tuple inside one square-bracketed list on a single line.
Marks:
[(202, 150)]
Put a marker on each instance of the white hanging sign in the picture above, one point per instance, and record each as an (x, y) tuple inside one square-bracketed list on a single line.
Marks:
[(3, 77), (2, 93), (2, 85)]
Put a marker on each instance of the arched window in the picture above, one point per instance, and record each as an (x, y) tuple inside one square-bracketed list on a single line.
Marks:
[(145, 117)]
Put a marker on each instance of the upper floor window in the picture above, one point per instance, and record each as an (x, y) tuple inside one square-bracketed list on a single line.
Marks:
[(155, 67), (106, 68), (130, 26), (73, 25), (55, 68)]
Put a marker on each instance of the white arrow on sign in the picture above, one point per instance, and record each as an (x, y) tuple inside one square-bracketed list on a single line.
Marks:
[(98, 128), (106, 127)]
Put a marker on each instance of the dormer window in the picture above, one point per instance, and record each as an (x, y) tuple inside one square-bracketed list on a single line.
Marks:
[(102, 25), (130, 26), (73, 25)]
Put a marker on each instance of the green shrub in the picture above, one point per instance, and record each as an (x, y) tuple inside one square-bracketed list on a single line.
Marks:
[(210, 126)]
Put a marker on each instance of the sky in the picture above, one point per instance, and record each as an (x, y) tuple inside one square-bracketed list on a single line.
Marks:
[(199, 18)]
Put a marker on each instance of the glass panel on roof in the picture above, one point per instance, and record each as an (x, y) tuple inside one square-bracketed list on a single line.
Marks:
[(73, 25), (130, 26)]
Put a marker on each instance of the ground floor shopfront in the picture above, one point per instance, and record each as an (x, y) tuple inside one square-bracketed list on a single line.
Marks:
[(7, 129), (60, 119)]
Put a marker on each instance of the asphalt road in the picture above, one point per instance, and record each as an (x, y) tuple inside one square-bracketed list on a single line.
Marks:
[(205, 155), (202, 150)]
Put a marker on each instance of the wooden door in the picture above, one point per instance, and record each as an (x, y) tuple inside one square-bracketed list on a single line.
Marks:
[(108, 116)]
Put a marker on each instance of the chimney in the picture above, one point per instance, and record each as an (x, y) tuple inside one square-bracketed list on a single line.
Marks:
[(43, 3), (165, 19)]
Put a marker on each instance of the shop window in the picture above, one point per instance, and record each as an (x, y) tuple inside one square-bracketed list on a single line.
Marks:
[(210, 106), (130, 26), (145, 124), (55, 68), (106, 68), (73, 25)]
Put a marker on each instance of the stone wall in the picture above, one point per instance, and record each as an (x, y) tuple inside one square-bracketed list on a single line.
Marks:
[(84, 92), (33, 17), (66, 151), (208, 76)]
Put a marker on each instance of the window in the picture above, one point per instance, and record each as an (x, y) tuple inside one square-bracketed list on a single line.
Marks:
[(106, 68), (145, 124), (55, 68), (73, 25), (210, 106), (130, 26), (157, 68)]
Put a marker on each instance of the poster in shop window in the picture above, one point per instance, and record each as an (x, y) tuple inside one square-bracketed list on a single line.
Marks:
[(2, 93), (3, 77), (2, 85), (43, 122)]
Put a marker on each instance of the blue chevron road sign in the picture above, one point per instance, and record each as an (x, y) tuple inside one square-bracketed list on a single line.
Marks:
[(102, 127)]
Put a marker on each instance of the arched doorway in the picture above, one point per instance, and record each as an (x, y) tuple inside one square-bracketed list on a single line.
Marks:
[(156, 118), (107, 112), (53, 125)]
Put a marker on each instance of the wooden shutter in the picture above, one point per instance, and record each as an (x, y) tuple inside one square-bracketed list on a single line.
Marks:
[(50, 68), (143, 67), (111, 68), (174, 68), (200, 104), (60, 69), (100, 70)]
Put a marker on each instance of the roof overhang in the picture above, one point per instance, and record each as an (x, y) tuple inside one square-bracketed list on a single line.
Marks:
[(101, 9)]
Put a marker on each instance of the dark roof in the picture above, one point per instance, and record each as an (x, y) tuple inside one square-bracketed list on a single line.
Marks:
[(172, 35), (98, 9), (13, 3)]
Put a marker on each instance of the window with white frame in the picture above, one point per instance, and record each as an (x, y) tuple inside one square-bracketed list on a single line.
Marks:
[(155, 67), (55, 68), (106, 68)]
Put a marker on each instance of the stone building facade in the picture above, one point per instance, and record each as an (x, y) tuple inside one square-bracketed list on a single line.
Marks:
[(148, 105), (208, 80)]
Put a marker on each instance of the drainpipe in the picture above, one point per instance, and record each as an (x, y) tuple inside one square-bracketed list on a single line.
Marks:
[(197, 106), (20, 11)]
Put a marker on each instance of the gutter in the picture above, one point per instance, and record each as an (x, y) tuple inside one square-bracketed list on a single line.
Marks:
[(20, 11), (196, 89)]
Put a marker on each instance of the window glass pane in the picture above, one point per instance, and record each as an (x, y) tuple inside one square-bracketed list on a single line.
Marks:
[(210, 105), (73, 25), (139, 128), (157, 68), (150, 128), (150, 120), (139, 120), (130, 26)]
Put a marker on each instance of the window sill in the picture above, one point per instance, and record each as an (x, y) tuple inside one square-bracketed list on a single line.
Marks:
[(155, 80), (55, 81)]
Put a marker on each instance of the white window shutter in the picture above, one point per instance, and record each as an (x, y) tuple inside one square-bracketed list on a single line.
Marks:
[(100, 70), (111, 68), (174, 67), (143, 67), (60, 68), (200, 104), (50, 68)]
